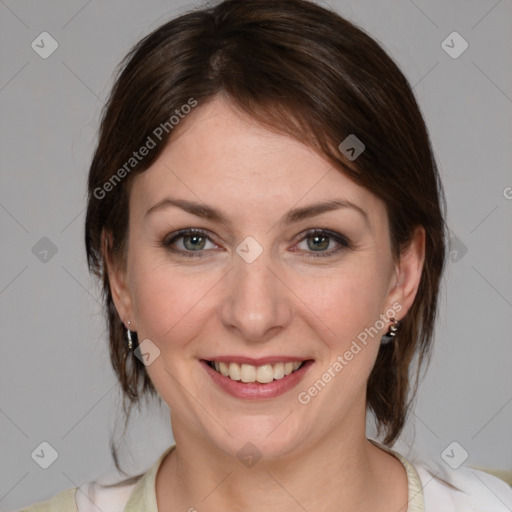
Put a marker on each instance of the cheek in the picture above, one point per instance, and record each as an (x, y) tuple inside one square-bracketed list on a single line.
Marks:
[(350, 304), (348, 301), (167, 300)]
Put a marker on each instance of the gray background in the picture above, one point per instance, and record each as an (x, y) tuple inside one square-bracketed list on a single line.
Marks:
[(56, 381)]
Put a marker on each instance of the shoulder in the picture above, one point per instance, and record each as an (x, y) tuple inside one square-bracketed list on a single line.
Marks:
[(94, 496), (136, 493), (463, 488), (64, 501), (88, 497), (452, 490)]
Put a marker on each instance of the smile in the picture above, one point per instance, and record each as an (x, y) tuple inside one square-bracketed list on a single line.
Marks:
[(268, 378), (248, 373)]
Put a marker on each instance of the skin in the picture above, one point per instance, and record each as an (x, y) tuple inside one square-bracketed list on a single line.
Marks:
[(314, 456)]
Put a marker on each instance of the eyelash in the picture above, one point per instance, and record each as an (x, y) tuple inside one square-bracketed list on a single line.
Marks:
[(344, 242)]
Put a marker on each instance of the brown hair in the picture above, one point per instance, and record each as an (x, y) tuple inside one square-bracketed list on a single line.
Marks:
[(304, 71)]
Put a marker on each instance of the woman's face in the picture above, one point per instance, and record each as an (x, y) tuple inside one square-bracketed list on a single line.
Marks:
[(258, 286)]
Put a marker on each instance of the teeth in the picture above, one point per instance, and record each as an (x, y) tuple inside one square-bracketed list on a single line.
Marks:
[(224, 369), (234, 371), (278, 371), (265, 373), (247, 373), (262, 374)]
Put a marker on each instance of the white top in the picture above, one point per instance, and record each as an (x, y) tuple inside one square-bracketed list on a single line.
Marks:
[(432, 488)]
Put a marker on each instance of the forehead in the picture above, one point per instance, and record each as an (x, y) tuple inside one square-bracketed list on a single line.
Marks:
[(224, 158)]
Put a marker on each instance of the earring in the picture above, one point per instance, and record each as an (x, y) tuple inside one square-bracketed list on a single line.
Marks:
[(129, 337), (390, 335)]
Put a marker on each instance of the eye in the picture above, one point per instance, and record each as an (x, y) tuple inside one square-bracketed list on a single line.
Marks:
[(193, 242), (319, 240)]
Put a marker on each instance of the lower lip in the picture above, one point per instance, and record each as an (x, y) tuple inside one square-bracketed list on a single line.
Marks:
[(256, 390)]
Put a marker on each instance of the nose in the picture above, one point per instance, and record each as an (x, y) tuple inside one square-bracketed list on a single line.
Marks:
[(257, 303)]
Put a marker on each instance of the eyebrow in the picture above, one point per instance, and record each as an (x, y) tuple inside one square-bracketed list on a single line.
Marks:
[(293, 216)]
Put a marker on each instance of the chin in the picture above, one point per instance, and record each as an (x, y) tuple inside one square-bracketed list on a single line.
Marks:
[(266, 438)]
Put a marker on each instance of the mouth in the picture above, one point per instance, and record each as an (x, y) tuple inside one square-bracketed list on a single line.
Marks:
[(262, 374), (265, 379)]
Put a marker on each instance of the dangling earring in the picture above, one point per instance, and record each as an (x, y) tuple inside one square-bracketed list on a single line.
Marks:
[(129, 337), (390, 335)]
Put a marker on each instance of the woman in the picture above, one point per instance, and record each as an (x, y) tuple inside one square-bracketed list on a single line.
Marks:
[(267, 219)]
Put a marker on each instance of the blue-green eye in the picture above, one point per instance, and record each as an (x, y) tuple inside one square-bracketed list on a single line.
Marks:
[(319, 240), (194, 243)]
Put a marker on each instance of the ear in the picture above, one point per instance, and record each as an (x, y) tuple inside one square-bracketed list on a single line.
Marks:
[(408, 272), (117, 278)]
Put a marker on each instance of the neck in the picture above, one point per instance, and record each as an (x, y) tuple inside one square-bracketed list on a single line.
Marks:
[(341, 471)]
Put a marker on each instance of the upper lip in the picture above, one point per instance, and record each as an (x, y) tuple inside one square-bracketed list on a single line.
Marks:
[(256, 362)]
